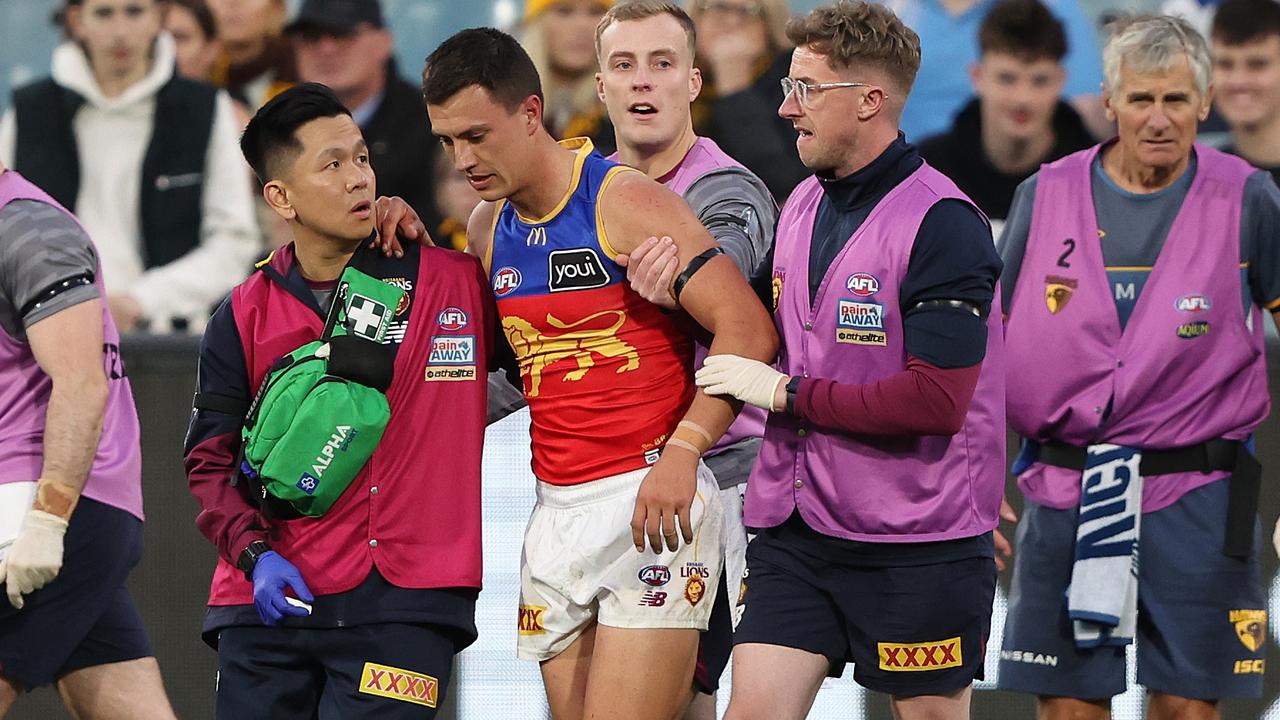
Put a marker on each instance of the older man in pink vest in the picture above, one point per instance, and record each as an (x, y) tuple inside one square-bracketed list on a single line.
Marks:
[(1135, 277)]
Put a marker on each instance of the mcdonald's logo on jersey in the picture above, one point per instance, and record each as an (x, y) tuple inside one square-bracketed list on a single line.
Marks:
[(537, 236)]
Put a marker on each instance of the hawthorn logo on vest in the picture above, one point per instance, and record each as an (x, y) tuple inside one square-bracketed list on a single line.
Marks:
[(655, 575), (452, 358), (531, 619), (576, 269), (452, 319), (862, 284), (397, 684), (338, 442), (918, 657), (1058, 291), (1193, 303), (1190, 330), (506, 281), (860, 323), (1251, 627), (365, 317)]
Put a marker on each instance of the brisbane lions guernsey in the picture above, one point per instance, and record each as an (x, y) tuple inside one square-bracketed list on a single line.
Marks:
[(606, 374)]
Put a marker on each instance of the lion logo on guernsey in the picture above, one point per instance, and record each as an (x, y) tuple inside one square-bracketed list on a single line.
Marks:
[(397, 684), (917, 657), (580, 342)]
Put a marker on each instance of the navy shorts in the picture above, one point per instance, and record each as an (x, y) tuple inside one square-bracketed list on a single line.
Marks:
[(917, 629), (1202, 618), (379, 670), (84, 616)]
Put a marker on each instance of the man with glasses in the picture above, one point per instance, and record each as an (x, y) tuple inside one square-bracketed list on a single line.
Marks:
[(879, 480)]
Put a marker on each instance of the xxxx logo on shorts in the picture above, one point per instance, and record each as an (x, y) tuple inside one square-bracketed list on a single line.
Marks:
[(531, 619), (915, 657), (391, 682)]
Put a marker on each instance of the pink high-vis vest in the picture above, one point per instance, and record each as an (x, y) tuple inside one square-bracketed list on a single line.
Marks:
[(1189, 365), (877, 489), (116, 476)]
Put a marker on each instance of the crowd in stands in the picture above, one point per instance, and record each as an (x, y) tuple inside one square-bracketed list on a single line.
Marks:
[(135, 127)]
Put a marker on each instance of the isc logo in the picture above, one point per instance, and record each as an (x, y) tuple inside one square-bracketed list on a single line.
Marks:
[(505, 281), (451, 318), (655, 575), (862, 284), (1193, 303)]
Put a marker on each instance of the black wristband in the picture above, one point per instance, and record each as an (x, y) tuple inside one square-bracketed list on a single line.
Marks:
[(694, 266), (793, 389), (248, 559)]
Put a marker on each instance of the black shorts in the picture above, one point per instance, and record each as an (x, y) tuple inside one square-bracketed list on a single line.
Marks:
[(380, 670), (917, 629), (84, 616)]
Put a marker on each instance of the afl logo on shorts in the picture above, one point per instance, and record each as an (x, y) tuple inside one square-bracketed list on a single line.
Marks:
[(505, 281), (862, 284), (452, 319), (655, 575)]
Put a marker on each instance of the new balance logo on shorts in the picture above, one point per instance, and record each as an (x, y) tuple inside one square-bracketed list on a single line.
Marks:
[(392, 682), (653, 598), (916, 657)]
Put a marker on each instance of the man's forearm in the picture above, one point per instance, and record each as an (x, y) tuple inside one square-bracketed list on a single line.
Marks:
[(72, 429)]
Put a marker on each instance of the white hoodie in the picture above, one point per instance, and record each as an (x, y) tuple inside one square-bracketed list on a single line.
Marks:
[(112, 135)]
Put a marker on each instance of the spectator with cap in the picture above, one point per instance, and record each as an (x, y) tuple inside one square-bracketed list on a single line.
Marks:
[(1018, 120), (560, 37), (256, 62), (136, 152), (948, 32), (346, 45), (743, 54), (1246, 77)]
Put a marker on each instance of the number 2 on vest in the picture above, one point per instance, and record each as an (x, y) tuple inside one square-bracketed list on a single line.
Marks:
[(1070, 246)]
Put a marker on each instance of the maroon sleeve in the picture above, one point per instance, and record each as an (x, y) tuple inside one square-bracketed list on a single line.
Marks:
[(921, 400), (225, 517), (213, 440)]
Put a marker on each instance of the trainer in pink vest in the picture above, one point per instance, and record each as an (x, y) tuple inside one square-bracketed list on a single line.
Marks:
[(877, 489), (1189, 365), (116, 476)]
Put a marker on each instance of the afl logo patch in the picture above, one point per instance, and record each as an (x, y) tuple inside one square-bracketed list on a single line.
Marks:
[(1193, 303), (452, 319), (862, 284), (655, 575), (505, 281)]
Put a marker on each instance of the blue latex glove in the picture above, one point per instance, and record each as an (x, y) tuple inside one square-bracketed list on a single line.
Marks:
[(270, 575)]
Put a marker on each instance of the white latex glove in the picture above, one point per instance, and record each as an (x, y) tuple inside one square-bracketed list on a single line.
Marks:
[(750, 381), (1275, 537), (35, 556)]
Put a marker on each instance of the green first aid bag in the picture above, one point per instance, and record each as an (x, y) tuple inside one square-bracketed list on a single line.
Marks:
[(322, 409)]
